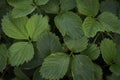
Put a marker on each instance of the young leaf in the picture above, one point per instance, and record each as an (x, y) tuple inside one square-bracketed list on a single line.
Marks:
[(88, 7), (20, 52), (15, 28), (20, 75), (69, 24), (52, 6), (82, 68), (41, 2), (91, 27), (76, 45), (21, 7), (3, 57), (108, 50), (92, 51), (110, 22), (70, 4), (115, 68), (36, 25), (48, 43), (97, 72), (55, 66)]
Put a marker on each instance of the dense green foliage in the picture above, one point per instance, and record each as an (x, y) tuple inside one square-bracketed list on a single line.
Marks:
[(59, 40)]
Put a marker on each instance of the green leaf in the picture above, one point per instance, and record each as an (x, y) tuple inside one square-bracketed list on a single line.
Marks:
[(15, 28), (21, 7), (110, 22), (55, 66), (22, 11), (97, 72), (37, 75), (52, 6), (36, 25), (88, 7), (20, 75), (19, 3), (117, 40), (115, 68), (92, 51), (109, 6), (3, 57), (76, 45), (91, 27), (105, 22), (117, 57), (69, 24), (82, 68), (35, 61), (108, 50), (68, 4), (41, 2), (48, 43), (20, 52)]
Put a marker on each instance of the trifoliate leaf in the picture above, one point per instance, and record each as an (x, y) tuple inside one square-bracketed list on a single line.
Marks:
[(48, 43), (110, 22), (88, 7), (105, 22), (91, 26), (20, 52), (20, 75), (82, 68), (76, 45), (92, 51), (97, 72), (41, 2), (68, 4), (15, 28), (108, 50), (36, 25), (55, 66), (3, 57), (69, 24), (52, 6)]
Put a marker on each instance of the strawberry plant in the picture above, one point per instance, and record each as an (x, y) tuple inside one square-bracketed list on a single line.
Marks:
[(59, 40)]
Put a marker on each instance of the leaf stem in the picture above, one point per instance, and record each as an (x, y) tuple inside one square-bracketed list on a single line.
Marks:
[(96, 38), (110, 36), (71, 53)]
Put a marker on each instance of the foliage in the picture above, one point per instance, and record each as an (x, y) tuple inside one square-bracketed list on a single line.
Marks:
[(59, 40)]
